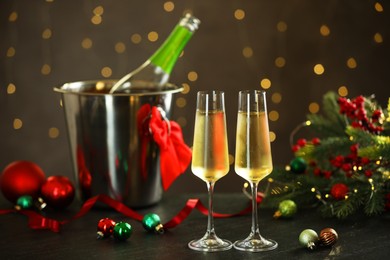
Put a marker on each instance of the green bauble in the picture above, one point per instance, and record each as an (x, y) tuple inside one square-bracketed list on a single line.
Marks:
[(308, 238), (287, 209), (122, 231), (152, 222), (298, 165), (25, 202)]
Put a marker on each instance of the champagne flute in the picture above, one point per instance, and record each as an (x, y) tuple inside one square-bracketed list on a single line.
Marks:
[(210, 159), (253, 158)]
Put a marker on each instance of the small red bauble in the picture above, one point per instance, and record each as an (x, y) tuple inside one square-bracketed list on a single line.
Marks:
[(105, 227), (21, 178), (58, 192), (339, 191)]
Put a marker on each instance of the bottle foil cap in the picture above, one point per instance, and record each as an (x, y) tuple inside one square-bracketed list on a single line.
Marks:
[(190, 22)]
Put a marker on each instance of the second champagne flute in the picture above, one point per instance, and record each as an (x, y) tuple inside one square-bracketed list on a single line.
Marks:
[(210, 158), (253, 159)]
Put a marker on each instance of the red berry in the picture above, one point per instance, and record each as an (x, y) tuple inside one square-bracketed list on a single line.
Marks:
[(351, 157), (337, 161), (317, 171), (365, 160), (354, 148), (359, 100), (379, 128), (346, 167), (368, 173), (301, 142), (376, 115), (295, 148), (316, 141), (342, 100), (327, 174), (357, 124)]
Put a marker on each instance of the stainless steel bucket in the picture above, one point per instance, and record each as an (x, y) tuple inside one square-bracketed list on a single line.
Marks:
[(107, 141)]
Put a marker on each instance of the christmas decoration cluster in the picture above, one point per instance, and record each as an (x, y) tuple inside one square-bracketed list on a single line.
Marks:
[(345, 167), (25, 184), (122, 231), (310, 239)]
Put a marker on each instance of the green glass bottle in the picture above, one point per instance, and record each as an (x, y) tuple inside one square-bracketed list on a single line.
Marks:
[(154, 73)]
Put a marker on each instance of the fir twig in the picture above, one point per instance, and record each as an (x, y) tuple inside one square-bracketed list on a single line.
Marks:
[(331, 123), (327, 148), (375, 202)]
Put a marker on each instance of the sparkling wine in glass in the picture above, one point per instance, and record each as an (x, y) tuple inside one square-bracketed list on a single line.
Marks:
[(210, 159), (253, 158)]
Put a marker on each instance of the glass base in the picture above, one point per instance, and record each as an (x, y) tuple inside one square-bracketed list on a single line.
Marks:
[(255, 244), (210, 244)]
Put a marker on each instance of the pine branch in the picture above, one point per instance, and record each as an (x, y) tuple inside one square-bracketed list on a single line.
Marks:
[(326, 149), (343, 208), (375, 203), (388, 111), (375, 152), (386, 123), (323, 126), (378, 147), (289, 185), (364, 138), (331, 110), (332, 123)]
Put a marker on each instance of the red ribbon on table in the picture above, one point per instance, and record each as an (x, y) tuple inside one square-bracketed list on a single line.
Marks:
[(38, 221)]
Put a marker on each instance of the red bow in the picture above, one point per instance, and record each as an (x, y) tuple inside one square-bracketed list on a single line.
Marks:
[(175, 155)]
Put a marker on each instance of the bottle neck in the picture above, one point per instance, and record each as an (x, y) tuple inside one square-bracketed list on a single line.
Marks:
[(165, 57)]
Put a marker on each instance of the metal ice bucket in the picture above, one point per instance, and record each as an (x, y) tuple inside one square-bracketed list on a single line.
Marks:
[(105, 133)]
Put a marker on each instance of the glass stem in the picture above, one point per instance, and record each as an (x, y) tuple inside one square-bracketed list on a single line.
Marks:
[(255, 224), (210, 221)]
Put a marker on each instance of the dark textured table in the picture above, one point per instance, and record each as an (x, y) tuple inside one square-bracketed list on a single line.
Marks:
[(359, 237)]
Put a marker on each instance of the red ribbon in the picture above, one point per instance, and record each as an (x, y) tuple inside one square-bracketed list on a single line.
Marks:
[(37, 221)]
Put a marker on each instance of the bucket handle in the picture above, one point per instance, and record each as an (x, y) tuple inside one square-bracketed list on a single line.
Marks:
[(163, 116)]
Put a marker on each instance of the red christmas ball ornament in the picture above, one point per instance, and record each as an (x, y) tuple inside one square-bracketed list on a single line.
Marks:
[(339, 191), (105, 227), (21, 178), (58, 192)]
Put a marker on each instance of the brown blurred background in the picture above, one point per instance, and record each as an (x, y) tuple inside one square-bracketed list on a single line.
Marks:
[(296, 50)]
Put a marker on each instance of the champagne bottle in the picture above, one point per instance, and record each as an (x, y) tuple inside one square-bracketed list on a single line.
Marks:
[(154, 73)]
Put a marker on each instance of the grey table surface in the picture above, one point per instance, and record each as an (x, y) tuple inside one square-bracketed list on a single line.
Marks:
[(359, 236)]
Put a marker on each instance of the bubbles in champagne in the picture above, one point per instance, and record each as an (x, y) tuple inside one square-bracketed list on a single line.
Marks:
[(253, 150), (210, 158)]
